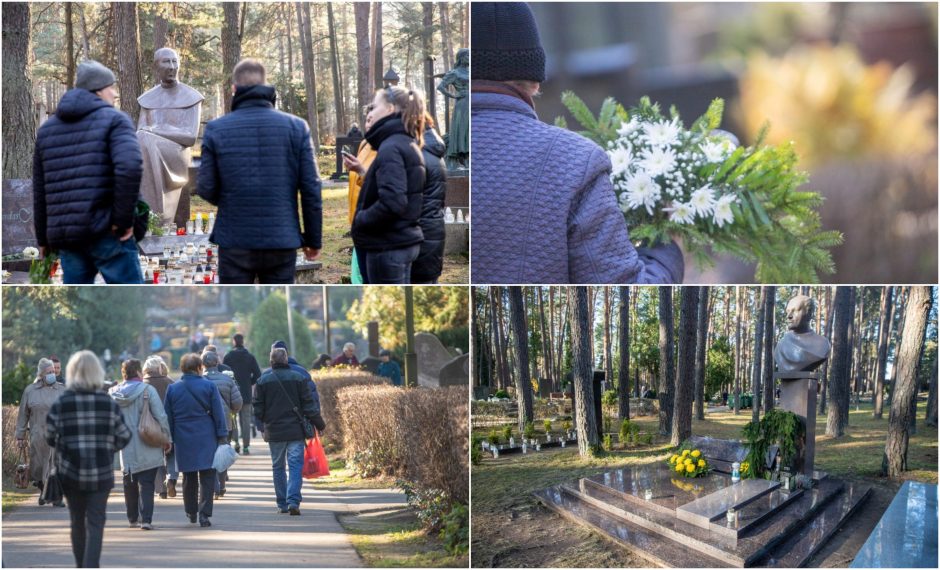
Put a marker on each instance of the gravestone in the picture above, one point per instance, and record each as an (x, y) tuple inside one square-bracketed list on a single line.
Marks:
[(350, 145), (18, 230), (457, 193), (482, 392), (437, 366), (545, 387)]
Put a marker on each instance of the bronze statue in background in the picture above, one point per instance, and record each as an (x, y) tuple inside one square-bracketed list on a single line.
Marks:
[(801, 349), (458, 136), (167, 129)]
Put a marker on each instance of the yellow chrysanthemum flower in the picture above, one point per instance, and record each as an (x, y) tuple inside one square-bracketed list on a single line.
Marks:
[(687, 461), (679, 468), (685, 452), (696, 454), (673, 458), (690, 468), (701, 463)]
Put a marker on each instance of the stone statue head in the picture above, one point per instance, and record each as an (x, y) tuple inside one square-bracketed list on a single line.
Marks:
[(800, 312), (166, 65), (463, 57)]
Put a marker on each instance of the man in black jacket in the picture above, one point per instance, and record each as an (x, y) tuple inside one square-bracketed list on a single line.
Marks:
[(247, 372), (254, 161), (86, 180), (281, 397)]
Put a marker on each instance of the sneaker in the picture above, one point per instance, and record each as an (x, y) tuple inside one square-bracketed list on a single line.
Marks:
[(146, 526), (281, 511), (216, 496), (192, 518), (294, 511), (134, 524), (222, 492), (163, 495), (245, 451), (238, 447), (171, 489), (58, 504), (204, 523)]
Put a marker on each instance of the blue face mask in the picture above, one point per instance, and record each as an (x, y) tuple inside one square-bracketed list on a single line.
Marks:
[(50, 379)]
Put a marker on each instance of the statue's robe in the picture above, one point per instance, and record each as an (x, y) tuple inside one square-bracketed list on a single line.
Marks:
[(170, 112)]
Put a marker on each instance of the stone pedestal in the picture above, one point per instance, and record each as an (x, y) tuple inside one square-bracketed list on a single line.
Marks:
[(798, 395)]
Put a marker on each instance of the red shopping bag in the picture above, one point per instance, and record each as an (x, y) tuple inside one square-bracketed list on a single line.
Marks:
[(315, 463)]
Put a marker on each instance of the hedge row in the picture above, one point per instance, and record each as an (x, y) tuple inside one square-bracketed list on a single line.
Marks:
[(328, 384), (419, 435)]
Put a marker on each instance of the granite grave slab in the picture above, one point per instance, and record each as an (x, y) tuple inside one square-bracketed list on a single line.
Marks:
[(706, 509), (906, 535)]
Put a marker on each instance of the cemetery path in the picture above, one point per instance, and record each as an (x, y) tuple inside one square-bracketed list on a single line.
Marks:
[(246, 529)]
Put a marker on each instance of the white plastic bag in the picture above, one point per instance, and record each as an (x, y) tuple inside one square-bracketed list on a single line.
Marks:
[(225, 456)]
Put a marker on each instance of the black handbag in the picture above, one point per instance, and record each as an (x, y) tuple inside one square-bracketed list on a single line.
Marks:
[(304, 422)]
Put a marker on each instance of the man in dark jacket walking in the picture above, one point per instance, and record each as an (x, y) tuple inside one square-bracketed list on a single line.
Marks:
[(254, 161), (247, 372), (296, 367), (280, 399), (86, 180)]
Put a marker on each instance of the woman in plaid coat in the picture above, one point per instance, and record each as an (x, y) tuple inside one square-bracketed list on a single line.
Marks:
[(86, 429)]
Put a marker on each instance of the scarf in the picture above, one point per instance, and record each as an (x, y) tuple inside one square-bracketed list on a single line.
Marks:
[(487, 86)]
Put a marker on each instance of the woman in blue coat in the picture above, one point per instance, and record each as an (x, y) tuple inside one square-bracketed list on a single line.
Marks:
[(198, 425)]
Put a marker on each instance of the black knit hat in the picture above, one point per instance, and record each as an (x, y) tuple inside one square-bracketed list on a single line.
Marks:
[(504, 42)]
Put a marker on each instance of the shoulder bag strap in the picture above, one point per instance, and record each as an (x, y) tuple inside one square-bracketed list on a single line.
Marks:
[(198, 401)]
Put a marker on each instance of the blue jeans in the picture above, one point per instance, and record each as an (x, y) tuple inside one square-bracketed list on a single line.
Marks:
[(116, 260), (287, 488), (389, 267)]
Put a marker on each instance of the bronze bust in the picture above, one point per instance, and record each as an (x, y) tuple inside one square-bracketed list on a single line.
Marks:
[(801, 349), (167, 129)]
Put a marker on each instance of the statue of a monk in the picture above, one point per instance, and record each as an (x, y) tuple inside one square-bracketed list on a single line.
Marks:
[(168, 127), (801, 349)]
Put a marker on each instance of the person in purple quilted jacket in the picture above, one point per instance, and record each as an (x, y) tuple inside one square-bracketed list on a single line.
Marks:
[(544, 209)]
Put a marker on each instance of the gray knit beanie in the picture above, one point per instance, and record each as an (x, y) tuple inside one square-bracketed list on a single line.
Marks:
[(93, 76), (505, 43)]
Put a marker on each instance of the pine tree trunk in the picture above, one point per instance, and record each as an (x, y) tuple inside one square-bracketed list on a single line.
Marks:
[(19, 122), (930, 417), (160, 28), (768, 381), (363, 57), (737, 351), (667, 365), (824, 391), (546, 342), (685, 379), (497, 340), (608, 349), (583, 371), (520, 335), (310, 74), (623, 377), (127, 42), (911, 346), (341, 127), (636, 374), (378, 63), (844, 309), (701, 348), (448, 46), (231, 48), (884, 335), (69, 47), (760, 309), (427, 36)]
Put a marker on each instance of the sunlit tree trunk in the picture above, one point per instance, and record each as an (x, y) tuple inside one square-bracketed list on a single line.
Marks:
[(127, 42), (667, 365), (839, 370), (583, 371), (520, 335), (19, 122), (623, 378), (685, 379)]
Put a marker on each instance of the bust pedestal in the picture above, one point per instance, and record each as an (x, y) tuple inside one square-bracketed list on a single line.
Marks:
[(798, 395)]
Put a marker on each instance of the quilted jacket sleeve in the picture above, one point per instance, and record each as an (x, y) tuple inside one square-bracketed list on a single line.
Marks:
[(207, 183), (310, 200), (128, 166)]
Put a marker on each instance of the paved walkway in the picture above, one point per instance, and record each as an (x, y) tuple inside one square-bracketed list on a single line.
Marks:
[(246, 529)]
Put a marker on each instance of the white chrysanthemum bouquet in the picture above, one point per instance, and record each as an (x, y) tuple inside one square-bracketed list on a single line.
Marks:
[(696, 184)]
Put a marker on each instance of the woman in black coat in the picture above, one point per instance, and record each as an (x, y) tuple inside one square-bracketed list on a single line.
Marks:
[(385, 230), (430, 263)]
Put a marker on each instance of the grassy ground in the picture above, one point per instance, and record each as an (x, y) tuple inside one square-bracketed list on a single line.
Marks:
[(12, 496), (387, 538), (336, 255), (510, 528)]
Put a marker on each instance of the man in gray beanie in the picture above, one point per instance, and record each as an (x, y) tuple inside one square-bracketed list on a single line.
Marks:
[(544, 207), (86, 180)]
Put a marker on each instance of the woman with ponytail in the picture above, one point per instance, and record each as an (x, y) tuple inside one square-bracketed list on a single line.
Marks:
[(385, 229)]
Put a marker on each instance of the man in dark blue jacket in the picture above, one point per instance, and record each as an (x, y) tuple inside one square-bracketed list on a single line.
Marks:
[(254, 161), (86, 179)]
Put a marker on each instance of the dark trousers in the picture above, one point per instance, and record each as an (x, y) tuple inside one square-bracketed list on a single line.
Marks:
[(389, 267), (138, 495), (198, 487), (268, 266), (241, 424), (87, 511)]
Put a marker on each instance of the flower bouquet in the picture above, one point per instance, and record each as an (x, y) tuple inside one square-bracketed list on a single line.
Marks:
[(689, 463), (698, 185), (40, 270)]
